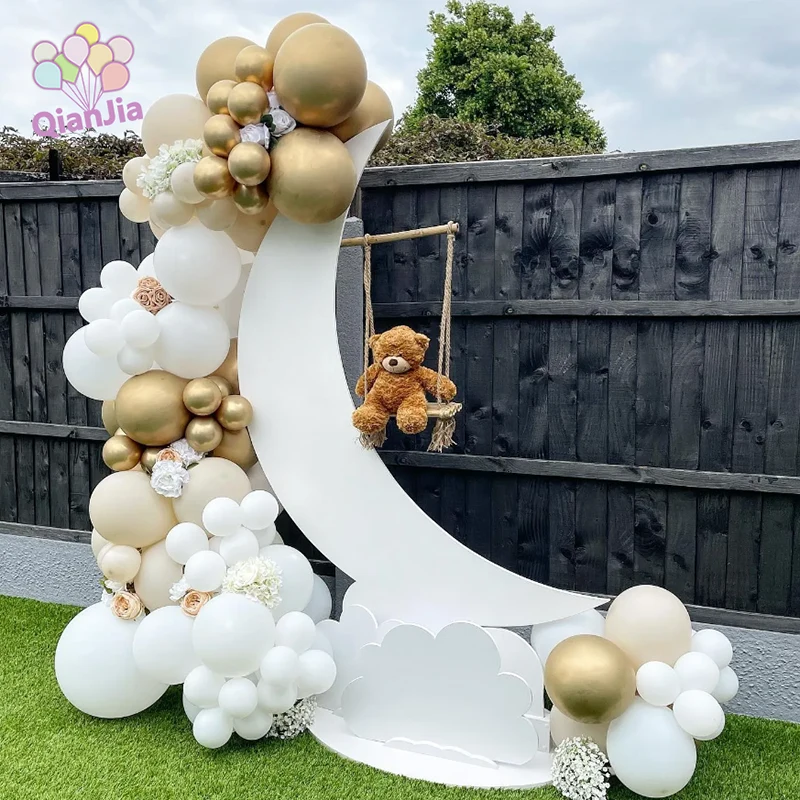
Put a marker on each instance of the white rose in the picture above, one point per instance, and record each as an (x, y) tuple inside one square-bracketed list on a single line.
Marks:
[(187, 453), (246, 573), (259, 134), (169, 478), (282, 122)]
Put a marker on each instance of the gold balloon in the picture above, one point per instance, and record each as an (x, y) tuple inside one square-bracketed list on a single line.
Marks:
[(229, 368), (312, 179), (202, 396), (248, 231), (223, 385), (121, 453), (287, 26), (250, 199), (254, 65), (320, 75), (249, 163), (150, 408), (221, 134), (109, 417), (212, 179), (237, 447), (217, 98), (234, 413), (589, 679), (247, 103), (204, 434), (149, 458), (374, 107), (217, 61)]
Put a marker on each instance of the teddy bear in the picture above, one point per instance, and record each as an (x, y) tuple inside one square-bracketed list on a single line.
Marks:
[(396, 383)]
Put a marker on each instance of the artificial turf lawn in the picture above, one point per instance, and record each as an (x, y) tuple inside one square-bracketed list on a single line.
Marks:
[(51, 751)]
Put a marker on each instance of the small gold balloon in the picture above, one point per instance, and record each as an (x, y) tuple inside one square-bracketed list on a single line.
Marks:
[(217, 61), (320, 75), (224, 385), (229, 368), (249, 163), (250, 199), (287, 26), (202, 396), (109, 416), (237, 447), (150, 408), (247, 103), (221, 134), (204, 434), (589, 679), (149, 458), (212, 179), (374, 107), (234, 413), (254, 65), (248, 231), (121, 453), (312, 179), (217, 98)]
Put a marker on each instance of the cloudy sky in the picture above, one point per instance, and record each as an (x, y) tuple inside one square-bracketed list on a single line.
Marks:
[(658, 75)]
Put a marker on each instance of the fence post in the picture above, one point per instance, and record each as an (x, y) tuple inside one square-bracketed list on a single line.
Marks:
[(54, 164)]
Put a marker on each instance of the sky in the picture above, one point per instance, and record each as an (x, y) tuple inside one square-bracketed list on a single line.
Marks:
[(687, 73)]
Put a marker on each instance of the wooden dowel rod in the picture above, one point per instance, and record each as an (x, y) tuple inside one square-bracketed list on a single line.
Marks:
[(380, 238)]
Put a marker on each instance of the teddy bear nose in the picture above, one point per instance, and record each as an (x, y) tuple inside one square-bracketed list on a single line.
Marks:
[(392, 362)]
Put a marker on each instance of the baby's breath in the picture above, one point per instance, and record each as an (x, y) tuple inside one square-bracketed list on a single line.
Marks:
[(580, 770), (155, 179)]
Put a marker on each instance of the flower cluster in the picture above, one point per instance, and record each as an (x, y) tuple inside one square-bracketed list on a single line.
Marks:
[(256, 578), (295, 721), (179, 590), (580, 770), (156, 177), (151, 295), (171, 471)]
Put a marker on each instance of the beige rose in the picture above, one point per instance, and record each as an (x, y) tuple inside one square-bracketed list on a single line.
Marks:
[(126, 605), (193, 601)]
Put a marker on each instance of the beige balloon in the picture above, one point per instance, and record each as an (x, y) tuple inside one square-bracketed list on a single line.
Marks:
[(156, 576), (133, 206), (219, 215), (649, 623), (124, 509), (287, 26), (120, 562), (563, 727), (98, 543), (212, 477), (171, 119), (132, 170), (216, 63), (182, 184), (167, 208), (157, 230)]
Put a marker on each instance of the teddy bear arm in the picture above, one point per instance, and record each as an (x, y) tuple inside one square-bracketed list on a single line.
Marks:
[(363, 386), (430, 379)]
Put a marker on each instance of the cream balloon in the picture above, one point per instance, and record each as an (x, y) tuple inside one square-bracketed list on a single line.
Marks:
[(98, 543), (120, 562), (171, 119), (132, 170), (211, 478), (182, 184), (156, 577), (167, 208), (134, 207), (218, 215), (563, 727)]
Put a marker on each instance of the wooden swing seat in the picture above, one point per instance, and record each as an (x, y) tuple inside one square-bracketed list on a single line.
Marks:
[(442, 410)]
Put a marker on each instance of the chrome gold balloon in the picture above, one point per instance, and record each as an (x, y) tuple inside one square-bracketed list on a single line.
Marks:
[(109, 416), (287, 26), (121, 453), (250, 199), (217, 98), (150, 408), (254, 65), (212, 179), (374, 107), (234, 413), (217, 61), (204, 434), (247, 103), (249, 230), (223, 385), (202, 396), (229, 368), (149, 458), (221, 134), (249, 163), (237, 447)]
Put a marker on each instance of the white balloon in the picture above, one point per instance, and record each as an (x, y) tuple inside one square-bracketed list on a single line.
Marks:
[(95, 668), (147, 267), (238, 697), (266, 537), (317, 673), (197, 265), (190, 708), (321, 642), (162, 647), (699, 714), (194, 341), (238, 547), (205, 571), (259, 510), (202, 687), (104, 337), (232, 634), (166, 207), (95, 377), (296, 630), (277, 539), (219, 215), (297, 576), (134, 360), (697, 671), (321, 603), (133, 206), (212, 728), (280, 666), (140, 328), (276, 699), (255, 726), (182, 184), (122, 307), (184, 540), (222, 516), (258, 480), (717, 646), (214, 543), (657, 683), (231, 306), (727, 687), (95, 303), (546, 636), (119, 277), (649, 751)]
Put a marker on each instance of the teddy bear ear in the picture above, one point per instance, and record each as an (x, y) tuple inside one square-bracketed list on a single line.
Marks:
[(373, 340), (422, 339)]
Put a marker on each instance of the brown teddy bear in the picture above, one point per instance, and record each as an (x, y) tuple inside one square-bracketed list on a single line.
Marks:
[(396, 383)]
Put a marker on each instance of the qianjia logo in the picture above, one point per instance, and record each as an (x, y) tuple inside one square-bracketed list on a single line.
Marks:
[(86, 70)]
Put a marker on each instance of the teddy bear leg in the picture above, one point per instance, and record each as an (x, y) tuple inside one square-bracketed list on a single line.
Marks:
[(412, 416), (370, 418)]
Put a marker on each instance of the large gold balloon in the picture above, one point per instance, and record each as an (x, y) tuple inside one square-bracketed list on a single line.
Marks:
[(204, 434), (248, 231), (374, 107), (149, 458), (229, 368), (247, 103), (121, 453), (590, 679), (249, 163), (237, 447), (254, 65), (109, 417), (217, 62), (217, 98), (320, 75), (234, 413), (150, 408), (221, 134), (202, 396), (287, 26), (312, 179), (250, 199), (212, 179)]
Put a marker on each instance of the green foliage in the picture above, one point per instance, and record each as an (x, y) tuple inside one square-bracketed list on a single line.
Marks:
[(486, 67)]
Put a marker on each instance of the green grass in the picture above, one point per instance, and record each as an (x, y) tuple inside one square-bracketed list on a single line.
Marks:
[(50, 751)]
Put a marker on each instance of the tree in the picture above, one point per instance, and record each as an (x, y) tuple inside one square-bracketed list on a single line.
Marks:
[(486, 67)]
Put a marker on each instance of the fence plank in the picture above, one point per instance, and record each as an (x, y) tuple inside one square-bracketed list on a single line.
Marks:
[(8, 475)]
